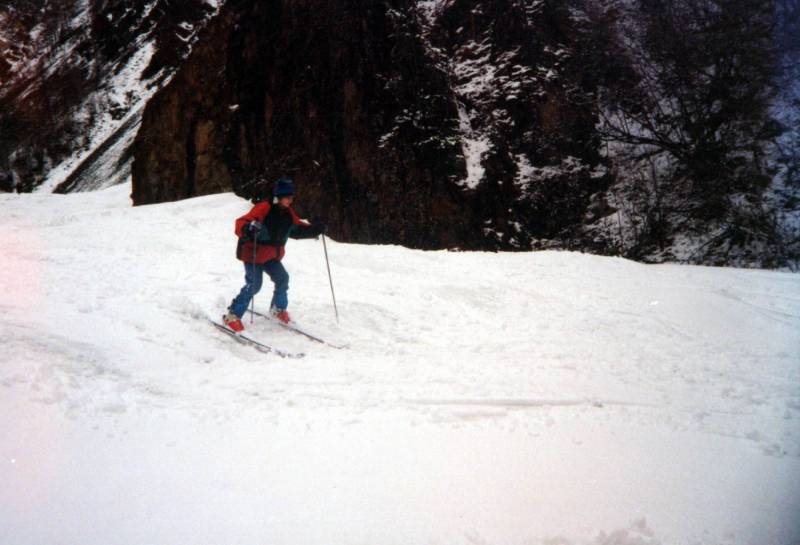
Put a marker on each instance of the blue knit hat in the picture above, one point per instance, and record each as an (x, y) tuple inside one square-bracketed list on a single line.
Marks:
[(284, 187)]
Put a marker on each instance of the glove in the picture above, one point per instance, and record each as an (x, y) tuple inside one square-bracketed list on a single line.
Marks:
[(251, 229)]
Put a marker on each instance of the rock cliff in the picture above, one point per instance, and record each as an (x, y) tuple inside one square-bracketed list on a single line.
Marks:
[(427, 124)]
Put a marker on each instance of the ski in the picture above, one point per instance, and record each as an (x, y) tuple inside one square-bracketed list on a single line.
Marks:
[(261, 347), (298, 330)]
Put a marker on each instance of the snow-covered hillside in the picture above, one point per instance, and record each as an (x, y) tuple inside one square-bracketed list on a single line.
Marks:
[(531, 398)]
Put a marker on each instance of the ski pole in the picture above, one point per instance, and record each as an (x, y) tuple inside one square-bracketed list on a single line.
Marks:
[(253, 295), (330, 279)]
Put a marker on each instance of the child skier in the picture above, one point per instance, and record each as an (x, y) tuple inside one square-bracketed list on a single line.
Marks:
[(263, 233)]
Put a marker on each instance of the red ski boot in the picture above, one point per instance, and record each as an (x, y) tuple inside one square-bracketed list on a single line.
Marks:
[(233, 322), (281, 315)]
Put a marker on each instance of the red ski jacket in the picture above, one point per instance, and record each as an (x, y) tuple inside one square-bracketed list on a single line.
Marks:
[(278, 223)]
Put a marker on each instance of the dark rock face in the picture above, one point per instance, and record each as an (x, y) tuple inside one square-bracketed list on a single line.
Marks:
[(457, 126), (480, 124), (518, 80)]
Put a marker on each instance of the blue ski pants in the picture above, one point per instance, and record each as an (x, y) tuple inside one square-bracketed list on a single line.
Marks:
[(253, 277)]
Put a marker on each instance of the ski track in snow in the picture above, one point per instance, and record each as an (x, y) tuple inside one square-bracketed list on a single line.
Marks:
[(536, 380)]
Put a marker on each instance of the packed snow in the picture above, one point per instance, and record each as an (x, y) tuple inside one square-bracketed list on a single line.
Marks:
[(547, 398)]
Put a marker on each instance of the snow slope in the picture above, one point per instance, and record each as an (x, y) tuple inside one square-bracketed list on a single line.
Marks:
[(532, 398)]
